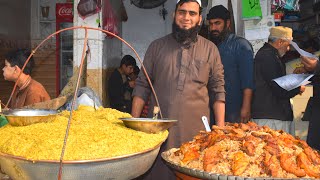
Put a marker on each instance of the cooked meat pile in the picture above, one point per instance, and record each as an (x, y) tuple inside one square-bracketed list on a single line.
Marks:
[(249, 150)]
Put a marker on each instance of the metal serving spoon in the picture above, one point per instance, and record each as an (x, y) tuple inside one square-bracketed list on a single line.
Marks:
[(206, 123)]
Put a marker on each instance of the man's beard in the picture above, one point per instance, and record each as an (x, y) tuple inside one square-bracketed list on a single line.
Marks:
[(185, 36), (282, 53), (218, 37)]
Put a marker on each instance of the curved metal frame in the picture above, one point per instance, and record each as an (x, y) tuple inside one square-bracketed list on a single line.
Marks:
[(79, 75)]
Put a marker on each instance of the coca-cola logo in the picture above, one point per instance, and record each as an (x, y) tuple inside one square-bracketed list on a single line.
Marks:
[(65, 11)]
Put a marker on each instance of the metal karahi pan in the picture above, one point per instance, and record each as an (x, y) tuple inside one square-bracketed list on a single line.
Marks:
[(122, 167), (206, 175)]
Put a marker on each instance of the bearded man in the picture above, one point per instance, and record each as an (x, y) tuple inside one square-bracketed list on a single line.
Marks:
[(186, 71), (271, 104), (237, 59)]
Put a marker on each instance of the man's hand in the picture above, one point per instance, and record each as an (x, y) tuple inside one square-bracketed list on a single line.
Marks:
[(300, 70), (132, 84), (245, 114), (302, 89), (309, 63)]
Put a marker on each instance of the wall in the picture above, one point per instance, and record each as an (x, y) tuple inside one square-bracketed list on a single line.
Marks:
[(14, 33), (144, 26), (45, 57), (15, 19), (20, 29)]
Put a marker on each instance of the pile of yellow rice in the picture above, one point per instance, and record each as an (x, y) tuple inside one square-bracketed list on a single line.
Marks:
[(94, 134)]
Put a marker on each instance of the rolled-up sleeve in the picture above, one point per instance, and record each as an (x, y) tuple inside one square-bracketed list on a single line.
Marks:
[(216, 79), (142, 88)]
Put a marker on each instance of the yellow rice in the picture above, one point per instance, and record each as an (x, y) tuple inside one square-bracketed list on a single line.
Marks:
[(93, 135)]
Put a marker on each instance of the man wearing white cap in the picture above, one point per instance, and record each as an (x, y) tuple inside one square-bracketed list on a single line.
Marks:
[(186, 71), (271, 104)]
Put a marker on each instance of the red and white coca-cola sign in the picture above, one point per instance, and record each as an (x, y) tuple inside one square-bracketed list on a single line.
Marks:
[(64, 11)]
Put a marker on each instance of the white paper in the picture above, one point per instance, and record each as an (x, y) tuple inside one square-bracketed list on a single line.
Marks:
[(302, 52), (291, 81)]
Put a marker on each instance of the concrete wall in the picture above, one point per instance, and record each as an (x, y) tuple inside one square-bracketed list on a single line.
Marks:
[(112, 46), (15, 19), (144, 26)]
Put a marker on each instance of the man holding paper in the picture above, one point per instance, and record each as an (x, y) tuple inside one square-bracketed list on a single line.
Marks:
[(313, 65), (271, 103)]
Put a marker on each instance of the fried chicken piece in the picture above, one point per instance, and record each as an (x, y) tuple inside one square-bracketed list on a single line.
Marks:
[(272, 165), (215, 127), (253, 139), (302, 143), (262, 135), (250, 126), (203, 139), (312, 155), (290, 166), (238, 132), (267, 158), (235, 125), (272, 147), (304, 163), (190, 152), (249, 144), (287, 140), (240, 163), (227, 129), (211, 157), (231, 132), (249, 148), (244, 127), (216, 138)]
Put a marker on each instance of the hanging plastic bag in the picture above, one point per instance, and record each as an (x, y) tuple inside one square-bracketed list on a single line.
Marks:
[(109, 19), (292, 5), (85, 96), (88, 7)]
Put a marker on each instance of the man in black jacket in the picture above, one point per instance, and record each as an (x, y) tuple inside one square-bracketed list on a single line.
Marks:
[(271, 104), (118, 86), (313, 65)]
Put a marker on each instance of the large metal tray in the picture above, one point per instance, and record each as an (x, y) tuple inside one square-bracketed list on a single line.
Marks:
[(122, 167), (24, 117), (206, 175)]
